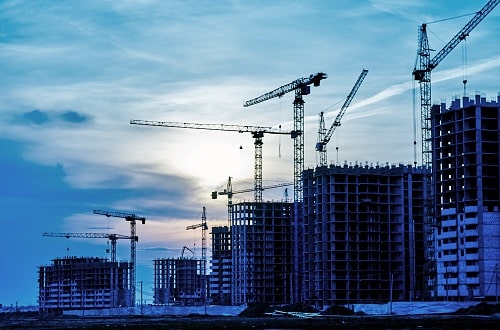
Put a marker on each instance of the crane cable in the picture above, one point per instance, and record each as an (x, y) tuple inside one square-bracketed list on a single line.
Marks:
[(464, 63)]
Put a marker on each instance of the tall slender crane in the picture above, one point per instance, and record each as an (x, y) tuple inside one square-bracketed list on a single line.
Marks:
[(112, 237), (256, 131), (325, 137), (230, 192), (422, 73), (204, 229), (301, 87), (132, 218)]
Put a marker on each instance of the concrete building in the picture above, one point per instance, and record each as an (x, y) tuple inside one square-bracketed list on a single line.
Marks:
[(262, 252), (466, 170), (220, 269), (179, 281), (83, 283), (363, 234)]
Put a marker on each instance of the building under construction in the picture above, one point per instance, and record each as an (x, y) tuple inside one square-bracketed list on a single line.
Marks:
[(467, 197), (83, 283), (220, 274), (179, 281), (363, 234), (262, 252)]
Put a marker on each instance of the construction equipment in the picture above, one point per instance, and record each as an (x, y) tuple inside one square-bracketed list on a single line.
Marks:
[(132, 218), (422, 73), (204, 229), (301, 87), (256, 131), (424, 65), (184, 248), (112, 237), (230, 192), (324, 137)]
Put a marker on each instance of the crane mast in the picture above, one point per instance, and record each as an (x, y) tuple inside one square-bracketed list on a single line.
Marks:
[(256, 131), (204, 228), (132, 218), (422, 73), (230, 192), (324, 138), (301, 87)]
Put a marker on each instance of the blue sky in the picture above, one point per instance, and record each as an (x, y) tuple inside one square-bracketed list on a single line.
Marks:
[(75, 72)]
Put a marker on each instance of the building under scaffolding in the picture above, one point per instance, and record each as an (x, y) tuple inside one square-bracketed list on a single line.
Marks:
[(179, 281), (262, 252), (83, 283), (363, 234), (467, 195)]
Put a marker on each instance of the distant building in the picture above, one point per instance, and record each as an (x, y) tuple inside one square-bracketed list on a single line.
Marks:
[(83, 283), (179, 281), (262, 252), (466, 166), (363, 234), (220, 275)]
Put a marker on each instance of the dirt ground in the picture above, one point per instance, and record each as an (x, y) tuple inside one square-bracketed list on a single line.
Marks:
[(435, 322), (480, 316)]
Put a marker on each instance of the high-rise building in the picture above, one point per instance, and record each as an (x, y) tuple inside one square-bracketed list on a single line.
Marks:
[(220, 275), (83, 283), (262, 252), (466, 173), (363, 234), (179, 281)]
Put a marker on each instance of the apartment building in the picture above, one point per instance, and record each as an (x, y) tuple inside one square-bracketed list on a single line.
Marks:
[(466, 170), (261, 252), (363, 234), (179, 281), (220, 269), (83, 283)]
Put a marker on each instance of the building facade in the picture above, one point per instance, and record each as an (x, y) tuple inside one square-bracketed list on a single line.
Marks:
[(179, 281), (466, 148), (262, 252), (83, 283), (363, 234), (220, 269)]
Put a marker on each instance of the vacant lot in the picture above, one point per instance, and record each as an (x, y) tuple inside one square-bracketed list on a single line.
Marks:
[(434, 322), (480, 316)]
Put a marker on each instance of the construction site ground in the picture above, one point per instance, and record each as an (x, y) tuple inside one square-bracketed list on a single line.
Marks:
[(480, 316)]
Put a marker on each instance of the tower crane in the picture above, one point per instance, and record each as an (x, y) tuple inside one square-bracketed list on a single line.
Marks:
[(301, 87), (204, 229), (230, 192), (184, 248), (132, 218), (256, 131), (324, 137), (422, 73), (112, 237)]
